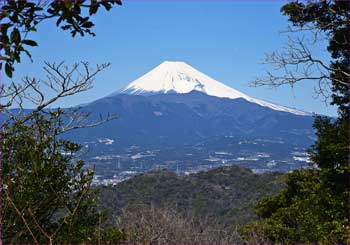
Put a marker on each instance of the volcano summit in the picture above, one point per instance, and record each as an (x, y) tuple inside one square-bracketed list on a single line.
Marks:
[(179, 77)]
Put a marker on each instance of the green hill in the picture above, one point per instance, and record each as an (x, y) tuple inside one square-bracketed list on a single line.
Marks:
[(225, 194)]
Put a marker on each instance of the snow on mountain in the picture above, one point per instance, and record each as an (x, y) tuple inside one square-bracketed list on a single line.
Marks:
[(179, 77)]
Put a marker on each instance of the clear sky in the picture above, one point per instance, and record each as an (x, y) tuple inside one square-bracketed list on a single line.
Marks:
[(224, 39)]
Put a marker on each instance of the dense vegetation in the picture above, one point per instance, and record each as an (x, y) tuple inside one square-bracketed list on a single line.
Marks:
[(207, 207), (314, 205), (226, 194), (45, 194), (47, 198)]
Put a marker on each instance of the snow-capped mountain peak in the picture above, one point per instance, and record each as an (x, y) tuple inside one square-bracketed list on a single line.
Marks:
[(179, 77)]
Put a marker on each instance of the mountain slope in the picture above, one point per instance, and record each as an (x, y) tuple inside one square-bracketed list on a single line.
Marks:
[(173, 119), (179, 77)]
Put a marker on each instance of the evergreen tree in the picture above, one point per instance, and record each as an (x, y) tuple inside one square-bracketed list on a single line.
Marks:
[(45, 195), (46, 189), (314, 205)]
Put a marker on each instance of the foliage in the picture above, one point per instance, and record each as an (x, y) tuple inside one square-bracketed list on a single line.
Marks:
[(47, 196), (314, 205), (226, 195), (332, 19), (303, 212), (20, 18)]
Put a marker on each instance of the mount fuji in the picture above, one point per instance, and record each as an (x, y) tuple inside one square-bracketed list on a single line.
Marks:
[(179, 77), (175, 112)]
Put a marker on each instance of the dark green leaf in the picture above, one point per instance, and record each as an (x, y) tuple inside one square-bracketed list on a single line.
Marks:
[(88, 24), (30, 42), (106, 5), (17, 57), (8, 70), (119, 2), (83, 20), (65, 27), (32, 28), (58, 22), (4, 27), (15, 36), (14, 18), (4, 58), (29, 55), (93, 9)]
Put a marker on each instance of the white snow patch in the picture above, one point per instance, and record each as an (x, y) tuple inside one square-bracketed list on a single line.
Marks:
[(179, 77), (106, 141)]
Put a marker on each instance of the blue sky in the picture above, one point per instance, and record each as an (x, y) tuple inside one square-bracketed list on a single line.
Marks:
[(226, 40)]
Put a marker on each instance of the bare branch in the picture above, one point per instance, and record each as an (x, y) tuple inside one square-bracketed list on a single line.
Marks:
[(60, 79), (296, 63), (21, 215), (37, 225), (79, 119)]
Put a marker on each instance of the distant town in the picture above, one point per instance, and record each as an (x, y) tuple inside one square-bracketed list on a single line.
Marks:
[(113, 168)]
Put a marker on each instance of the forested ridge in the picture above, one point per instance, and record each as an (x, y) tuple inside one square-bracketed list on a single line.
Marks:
[(226, 194)]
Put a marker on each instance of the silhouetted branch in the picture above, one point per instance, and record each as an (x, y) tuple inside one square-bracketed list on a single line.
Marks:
[(63, 81), (297, 63)]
